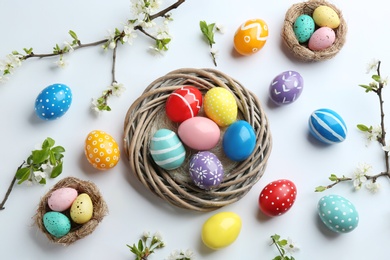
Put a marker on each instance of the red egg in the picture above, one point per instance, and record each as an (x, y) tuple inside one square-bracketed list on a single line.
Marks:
[(183, 103), (277, 197)]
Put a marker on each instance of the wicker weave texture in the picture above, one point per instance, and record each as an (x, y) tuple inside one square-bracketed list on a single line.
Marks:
[(77, 231), (147, 114), (301, 51)]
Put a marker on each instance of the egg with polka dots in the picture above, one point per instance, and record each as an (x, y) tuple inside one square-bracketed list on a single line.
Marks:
[(277, 197), (53, 101), (338, 214), (220, 106), (101, 150)]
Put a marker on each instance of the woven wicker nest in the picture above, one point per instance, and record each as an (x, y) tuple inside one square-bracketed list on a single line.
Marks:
[(301, 51), (77, 231), (147, 114)]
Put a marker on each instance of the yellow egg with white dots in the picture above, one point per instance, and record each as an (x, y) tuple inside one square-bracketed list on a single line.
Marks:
[(101, 150), (220, 106)]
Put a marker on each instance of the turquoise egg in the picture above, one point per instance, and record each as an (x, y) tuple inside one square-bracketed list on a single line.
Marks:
[(167, 150), (56, 223), (338, 214), (304, 27), (327, 126), (239, 141)]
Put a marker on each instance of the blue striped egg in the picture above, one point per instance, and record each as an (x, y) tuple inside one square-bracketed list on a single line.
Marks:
[(327, 126), (167, 150), (337, 213)]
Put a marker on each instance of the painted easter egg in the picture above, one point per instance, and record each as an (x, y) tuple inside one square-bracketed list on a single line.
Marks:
[(325, 16), (62, 198), (101, 150), (277, 197), (81, 210), (206, 170), (304, 27), (251, 36), (56, 223), (327, 126), (220, 106), (167, 150), (221, 230), (183, 103), (239, 141), (286, 87), (53, 101), (199, 133), (338, 214), (322, 39)]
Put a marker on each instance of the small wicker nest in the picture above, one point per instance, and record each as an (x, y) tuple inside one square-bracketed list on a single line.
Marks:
[(301, 51), (77, 231), (147, 114)]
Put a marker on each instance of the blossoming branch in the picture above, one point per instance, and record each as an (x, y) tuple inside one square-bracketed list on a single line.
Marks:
[(145, 13)]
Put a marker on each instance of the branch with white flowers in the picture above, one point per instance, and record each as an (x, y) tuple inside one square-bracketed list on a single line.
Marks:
[(145, 12), (362, 174)]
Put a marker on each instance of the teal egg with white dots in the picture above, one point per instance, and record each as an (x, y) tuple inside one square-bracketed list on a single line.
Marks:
[(327, 126), (56, 223), (167, 150), (53, 101), (338, 214)]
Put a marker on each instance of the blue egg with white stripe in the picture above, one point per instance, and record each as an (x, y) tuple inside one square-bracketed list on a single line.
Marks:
[(327, 126), (167, 150)]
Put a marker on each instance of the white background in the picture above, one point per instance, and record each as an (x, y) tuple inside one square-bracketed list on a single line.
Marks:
[(133, 209)]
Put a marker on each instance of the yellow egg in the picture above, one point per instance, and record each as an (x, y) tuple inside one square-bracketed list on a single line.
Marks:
[(220, 106), (81, 210), (221, 230), (101, 150), (324, 16), (251, 36)]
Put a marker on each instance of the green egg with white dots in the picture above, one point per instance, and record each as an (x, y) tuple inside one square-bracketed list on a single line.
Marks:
[(338, 214), (304, 27), (56, 223)]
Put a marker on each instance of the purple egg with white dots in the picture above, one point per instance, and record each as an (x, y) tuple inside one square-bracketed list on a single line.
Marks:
[(53, 101), (206, 170), (286, 87)]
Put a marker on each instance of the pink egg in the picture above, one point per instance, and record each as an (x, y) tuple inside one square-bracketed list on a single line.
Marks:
[(199, 133), (62, 199), (321, 39)]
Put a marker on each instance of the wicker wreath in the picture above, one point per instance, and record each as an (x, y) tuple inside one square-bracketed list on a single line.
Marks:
[(301, 51), (77, 231), (147, 114)]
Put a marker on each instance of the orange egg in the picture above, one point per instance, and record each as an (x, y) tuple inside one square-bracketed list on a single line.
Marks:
[(101, 150), (251, 36)]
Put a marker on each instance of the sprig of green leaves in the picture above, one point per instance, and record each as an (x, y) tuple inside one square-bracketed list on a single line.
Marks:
[(146, 246), (282, 245), (208, 33)]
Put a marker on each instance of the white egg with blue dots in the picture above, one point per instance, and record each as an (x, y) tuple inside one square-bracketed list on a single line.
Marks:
[(327, 126), (338, 214), (53, 101)]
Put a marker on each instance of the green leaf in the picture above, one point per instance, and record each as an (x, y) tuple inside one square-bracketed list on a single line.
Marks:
[(364, 128), (333, 177), (282, 242), (140, 245), (57, 170), (39, 156), (52, 158), (24, 177), (42, 181), (58, 149), (208, 31), (73, 35), (320, 189), (48, 143), (22, 172), (28, 51), (377, 78), (277, 258)]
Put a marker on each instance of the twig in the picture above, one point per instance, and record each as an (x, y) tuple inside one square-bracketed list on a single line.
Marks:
[(9, 189)]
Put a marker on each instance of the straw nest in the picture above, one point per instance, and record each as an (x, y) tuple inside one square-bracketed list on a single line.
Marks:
[(77, 231), (301, 51), (147, 114)]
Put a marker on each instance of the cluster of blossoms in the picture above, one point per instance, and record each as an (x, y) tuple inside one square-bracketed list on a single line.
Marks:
[(181, 255), (7, 66)]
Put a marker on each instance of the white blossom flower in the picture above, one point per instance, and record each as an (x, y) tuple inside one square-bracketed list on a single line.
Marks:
[(189, 254), (38, 176), (69, 46), (3, 79), (112, 45), (372, 66), (174, 255), (47, 168), (146, 234), (373, 187), (61, 63), (374, 134), (291, 247), (117, 89), (359, 175), (95, 106), (220, 28), (157, 236), (130, 34), (385, 81)]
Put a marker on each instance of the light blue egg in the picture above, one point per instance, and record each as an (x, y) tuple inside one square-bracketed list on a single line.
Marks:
[(167, 150), (338, 214), (53, 101), (304, 27), (56, 223), (327, 126), (239, 141)]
